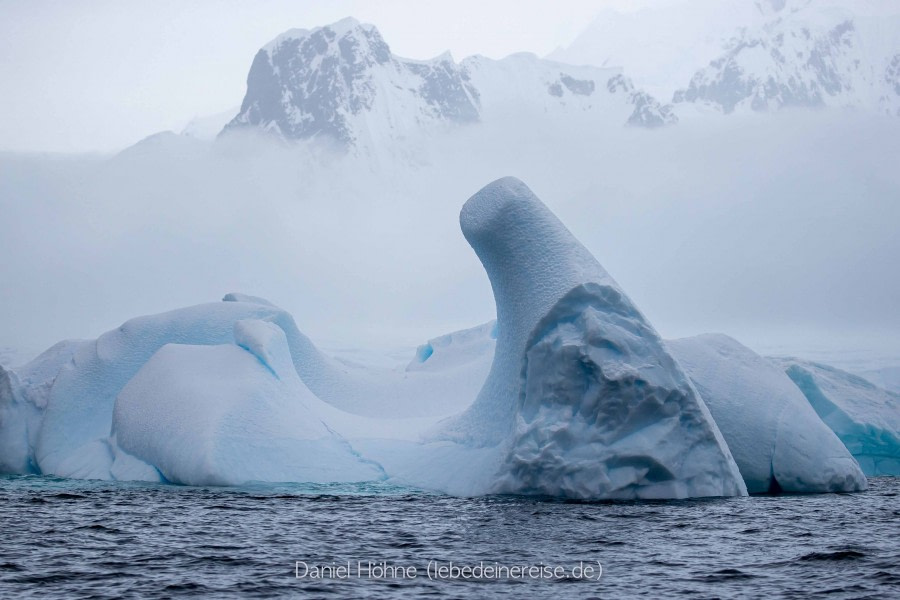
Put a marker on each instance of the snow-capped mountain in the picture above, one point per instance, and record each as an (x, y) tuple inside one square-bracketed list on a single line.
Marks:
[(660, 45), (736, 55), (341, 82), (328, 81), (526, 87), (806, 56)]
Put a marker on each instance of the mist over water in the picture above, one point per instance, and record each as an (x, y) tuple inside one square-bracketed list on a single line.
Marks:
[(776, 227)]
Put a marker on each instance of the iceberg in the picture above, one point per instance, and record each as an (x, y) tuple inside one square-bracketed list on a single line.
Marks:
[(570, 393), (582, 400), (13, 426), (865, 417), (778, 441)]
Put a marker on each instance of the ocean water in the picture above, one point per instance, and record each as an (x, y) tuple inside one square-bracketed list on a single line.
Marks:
[(74, 539)]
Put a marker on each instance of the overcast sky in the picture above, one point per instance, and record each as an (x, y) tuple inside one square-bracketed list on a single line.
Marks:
[(98, 75)]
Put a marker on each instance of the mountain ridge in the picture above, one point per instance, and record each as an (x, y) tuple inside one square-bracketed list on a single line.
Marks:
[(733, 55), (342, 83)]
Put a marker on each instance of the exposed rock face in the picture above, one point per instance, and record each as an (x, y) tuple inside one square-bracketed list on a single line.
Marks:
[(648, 112), (307, 84)]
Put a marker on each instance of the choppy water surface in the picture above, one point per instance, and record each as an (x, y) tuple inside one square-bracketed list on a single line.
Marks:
[(61, 538)]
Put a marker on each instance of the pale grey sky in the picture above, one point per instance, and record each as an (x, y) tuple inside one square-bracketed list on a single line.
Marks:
[(98, 75)]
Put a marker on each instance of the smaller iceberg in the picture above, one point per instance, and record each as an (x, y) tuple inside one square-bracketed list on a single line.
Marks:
[(865, 417), (778, 441), (24, 395)]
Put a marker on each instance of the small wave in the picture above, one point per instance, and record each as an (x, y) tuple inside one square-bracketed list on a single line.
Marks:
[(187, 586), (232, 507), (726, 575), (836, 555), (886, 577), (98, 527)]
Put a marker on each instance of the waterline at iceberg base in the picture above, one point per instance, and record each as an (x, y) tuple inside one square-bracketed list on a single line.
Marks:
[(571, 394)]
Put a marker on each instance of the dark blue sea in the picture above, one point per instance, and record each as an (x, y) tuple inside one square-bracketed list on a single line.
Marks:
[(82, 539)]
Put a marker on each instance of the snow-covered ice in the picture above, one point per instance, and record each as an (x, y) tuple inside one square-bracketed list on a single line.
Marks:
[(776, 438), (866, 418)]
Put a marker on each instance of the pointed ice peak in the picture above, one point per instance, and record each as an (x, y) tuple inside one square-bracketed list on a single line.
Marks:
[(328, 33), (444, 56), (345, 25), (350, 25), (290, 34)]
